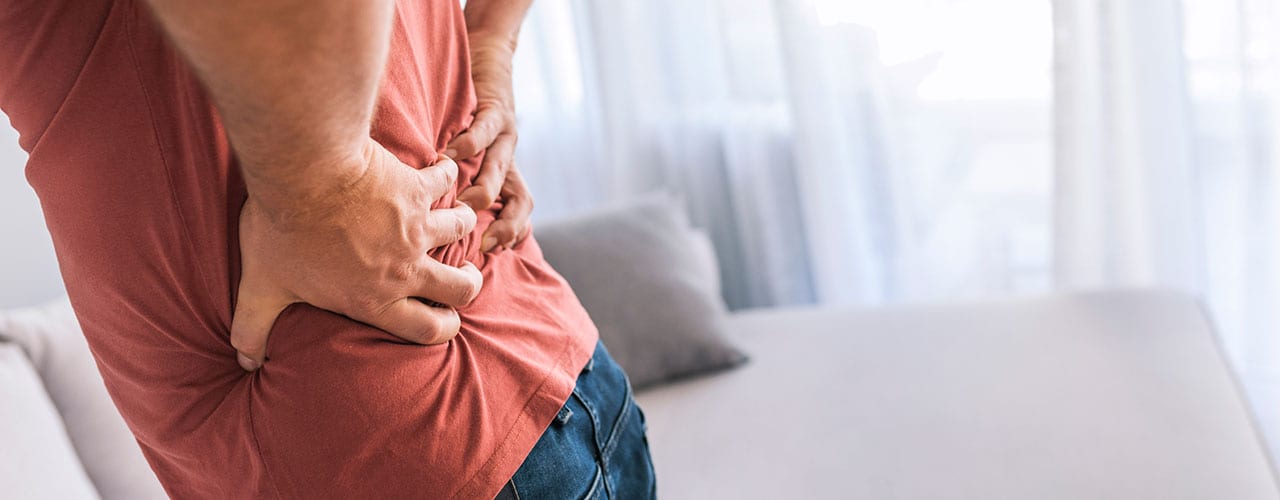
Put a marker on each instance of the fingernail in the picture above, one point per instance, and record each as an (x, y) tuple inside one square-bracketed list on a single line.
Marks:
[(246, 363), (488, 243), (451, 152)]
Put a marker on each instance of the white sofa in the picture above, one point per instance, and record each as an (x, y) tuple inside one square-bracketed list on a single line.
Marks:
[(1111, 395), (1114, 395)]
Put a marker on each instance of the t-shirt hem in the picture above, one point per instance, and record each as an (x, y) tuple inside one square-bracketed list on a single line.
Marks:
[(537, 414)]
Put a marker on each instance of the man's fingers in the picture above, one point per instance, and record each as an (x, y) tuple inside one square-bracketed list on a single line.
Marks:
[(256, 311), (507, 230), (478, 196), (488, 183), (483, 130), (418, 322), (512, 224), (447, 225), (439, 178), (445, 284)]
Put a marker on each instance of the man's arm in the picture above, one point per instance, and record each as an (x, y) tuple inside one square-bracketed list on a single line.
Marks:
[(294, 81), (495, 20), (493, 27), (332, 219)]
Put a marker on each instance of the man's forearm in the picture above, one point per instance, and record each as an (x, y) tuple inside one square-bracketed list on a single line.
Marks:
[(294, 81), (495, 21)]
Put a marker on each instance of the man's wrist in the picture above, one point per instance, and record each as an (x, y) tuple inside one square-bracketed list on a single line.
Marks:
[(294, 190), (491, 62), (492, 44)]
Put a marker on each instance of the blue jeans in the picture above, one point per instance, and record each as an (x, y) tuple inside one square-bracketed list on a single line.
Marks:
[(596, 446)]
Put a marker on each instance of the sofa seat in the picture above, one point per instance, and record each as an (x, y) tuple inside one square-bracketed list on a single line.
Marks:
[(1108, 395)]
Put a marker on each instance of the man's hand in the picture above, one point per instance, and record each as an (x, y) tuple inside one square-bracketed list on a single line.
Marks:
[(361, 251), (494, 132), (332, 218)]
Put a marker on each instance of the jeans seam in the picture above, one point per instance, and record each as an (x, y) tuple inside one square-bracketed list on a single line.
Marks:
[(620, 423), (595, 420), (602, 477)]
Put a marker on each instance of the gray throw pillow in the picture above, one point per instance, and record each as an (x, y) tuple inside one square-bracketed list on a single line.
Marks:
[(642, 274)]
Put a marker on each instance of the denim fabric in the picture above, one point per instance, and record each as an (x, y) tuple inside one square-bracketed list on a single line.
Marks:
[(595, 448)]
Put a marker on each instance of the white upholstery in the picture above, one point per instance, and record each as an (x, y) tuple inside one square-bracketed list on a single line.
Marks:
[(36, 458), (51, 338), (1119, 395)]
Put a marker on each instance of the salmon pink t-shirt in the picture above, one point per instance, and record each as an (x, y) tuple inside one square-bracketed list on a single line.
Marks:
[(141, 193)]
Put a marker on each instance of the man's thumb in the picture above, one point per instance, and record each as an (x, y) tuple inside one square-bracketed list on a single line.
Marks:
[(256, 311)]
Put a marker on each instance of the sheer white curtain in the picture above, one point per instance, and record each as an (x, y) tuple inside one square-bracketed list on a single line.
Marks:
[(837, 151), (617, 98)]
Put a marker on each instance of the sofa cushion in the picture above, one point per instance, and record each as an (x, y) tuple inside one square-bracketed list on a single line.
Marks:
[(51, 337), (37, 460), (647, 282)]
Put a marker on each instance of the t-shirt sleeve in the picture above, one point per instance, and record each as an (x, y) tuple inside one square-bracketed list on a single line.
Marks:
[(43, 46)]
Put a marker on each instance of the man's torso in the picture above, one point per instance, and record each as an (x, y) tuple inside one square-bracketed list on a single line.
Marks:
[(141, 194)]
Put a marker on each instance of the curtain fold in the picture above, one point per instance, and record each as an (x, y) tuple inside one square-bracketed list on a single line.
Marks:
[(1127, 201), (838, 118)]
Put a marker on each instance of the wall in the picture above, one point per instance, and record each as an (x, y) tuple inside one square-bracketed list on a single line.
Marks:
[(28, 269)]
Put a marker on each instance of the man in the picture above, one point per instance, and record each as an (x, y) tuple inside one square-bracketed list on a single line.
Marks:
[(290, 291)]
